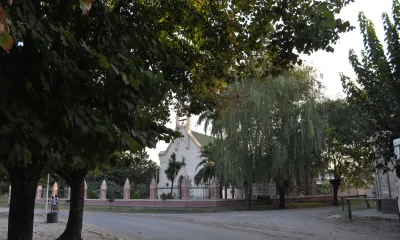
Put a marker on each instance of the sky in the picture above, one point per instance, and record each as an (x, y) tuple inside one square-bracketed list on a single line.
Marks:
[(327, 64)]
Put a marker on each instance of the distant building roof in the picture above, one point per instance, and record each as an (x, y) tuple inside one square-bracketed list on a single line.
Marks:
[(202, 138)]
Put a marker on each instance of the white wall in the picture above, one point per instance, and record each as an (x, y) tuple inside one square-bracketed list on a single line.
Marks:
[(191, 158), (387, 181)]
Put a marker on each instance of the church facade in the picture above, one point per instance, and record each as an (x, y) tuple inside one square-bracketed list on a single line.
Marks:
[(187, 147)]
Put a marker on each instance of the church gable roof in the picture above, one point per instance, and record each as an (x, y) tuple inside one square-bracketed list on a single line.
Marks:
[(202, 138)]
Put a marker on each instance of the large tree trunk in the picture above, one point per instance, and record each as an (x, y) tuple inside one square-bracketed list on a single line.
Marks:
[(247, 196), (306, 182), (233, 192), (226, 190), (282, 202), (24, 181), (172, 187), (73, 231), (75, 179), (335, 184), (220, 190)]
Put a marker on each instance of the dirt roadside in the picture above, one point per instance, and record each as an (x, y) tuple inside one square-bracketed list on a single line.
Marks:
[(46, 231)]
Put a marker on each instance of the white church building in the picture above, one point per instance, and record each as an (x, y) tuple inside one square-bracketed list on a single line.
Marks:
[(188, 147)]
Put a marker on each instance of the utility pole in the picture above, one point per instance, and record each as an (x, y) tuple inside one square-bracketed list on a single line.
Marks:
[(47, 192), (9, 195), (156, 175)]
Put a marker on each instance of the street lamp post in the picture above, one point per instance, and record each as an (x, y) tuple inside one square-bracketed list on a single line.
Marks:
[(47, 192)]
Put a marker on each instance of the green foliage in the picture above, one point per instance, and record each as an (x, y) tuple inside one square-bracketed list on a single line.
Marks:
[(102, 81), (169, 196), (348, 149), (163, 196), (79, 68), (136, 195), (142, 189), (323, 188), (208, 165), (138, 168), (346, 145), (173, 169), (4, 174), (113, 191), (270, 129), (375, 90), (93, 194), (4, 187)]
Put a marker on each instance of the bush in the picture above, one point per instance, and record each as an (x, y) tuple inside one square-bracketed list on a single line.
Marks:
[(163, 196), (136, 195), (143, 190), (93, 195), (169, 196)]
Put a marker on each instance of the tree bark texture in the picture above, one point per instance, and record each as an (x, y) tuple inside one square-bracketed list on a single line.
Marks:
[(226, 190), (335, 184), (73, 231), (220, 190), (247, 195), (282, 200), (307, 183), (24, 181), (75, 180)]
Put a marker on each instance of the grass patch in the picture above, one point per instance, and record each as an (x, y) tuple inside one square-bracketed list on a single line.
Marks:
[(3, 202), (121, 209), (266, 207), (292, 206), (124, 209)]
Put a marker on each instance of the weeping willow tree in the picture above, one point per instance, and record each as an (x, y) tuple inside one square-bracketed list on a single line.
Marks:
[(270, 129)]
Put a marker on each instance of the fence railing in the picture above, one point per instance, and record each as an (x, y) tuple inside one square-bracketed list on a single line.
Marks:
[(196, 192)]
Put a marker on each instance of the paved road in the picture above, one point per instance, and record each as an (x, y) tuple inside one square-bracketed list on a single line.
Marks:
[(302, 224), (142, 226)]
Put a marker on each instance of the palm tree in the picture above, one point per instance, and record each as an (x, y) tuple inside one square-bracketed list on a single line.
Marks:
[(207, 172), (173, 169), (208, 117)]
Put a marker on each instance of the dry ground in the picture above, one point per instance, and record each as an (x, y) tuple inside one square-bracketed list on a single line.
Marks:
[(47, 231)]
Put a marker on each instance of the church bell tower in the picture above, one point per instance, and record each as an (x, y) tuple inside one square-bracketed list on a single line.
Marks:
[(183, 125)]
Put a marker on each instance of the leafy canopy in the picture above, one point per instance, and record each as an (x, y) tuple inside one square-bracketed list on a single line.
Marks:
[(270, 129), (375, 91)]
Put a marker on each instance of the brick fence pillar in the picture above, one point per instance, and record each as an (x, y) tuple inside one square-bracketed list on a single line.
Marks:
[(39, 192), (153, 189), (85, 190), (314, 189), (55, 189), (215, 189), (294, 190), (103, 190), (127, 190), (185, 188)]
